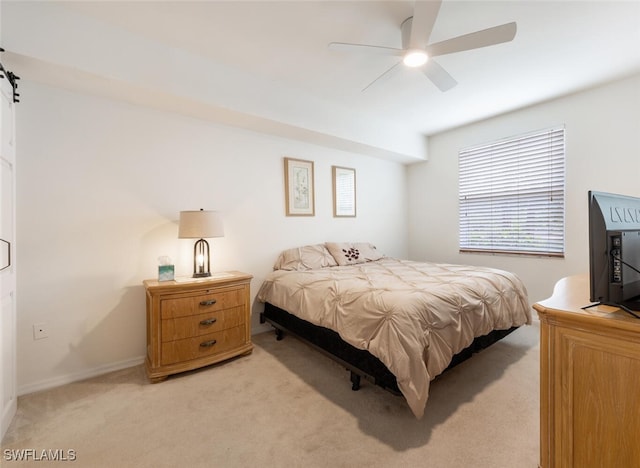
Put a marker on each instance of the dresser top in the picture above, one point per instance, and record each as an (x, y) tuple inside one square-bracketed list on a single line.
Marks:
[(571, 299), (216, 279)]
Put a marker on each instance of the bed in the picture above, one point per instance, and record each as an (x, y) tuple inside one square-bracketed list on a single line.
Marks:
[(399, 323)]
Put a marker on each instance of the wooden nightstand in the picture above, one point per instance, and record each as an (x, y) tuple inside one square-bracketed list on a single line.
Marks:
[(196, 323)]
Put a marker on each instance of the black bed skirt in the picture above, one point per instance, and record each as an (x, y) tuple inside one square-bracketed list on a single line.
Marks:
[(359, 362)]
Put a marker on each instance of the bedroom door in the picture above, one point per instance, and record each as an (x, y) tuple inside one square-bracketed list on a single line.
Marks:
[(8, 376)]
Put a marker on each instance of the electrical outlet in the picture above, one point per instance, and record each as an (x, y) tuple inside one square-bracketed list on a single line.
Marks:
[(39, 331)]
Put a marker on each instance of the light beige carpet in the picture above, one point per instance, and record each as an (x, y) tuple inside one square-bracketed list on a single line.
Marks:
[(286, 405)]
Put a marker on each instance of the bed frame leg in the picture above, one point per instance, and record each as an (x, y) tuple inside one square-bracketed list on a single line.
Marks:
[(279, 334), (355, 381)]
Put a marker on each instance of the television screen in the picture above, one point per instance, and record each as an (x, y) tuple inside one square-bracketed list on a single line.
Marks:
[(614, 249)]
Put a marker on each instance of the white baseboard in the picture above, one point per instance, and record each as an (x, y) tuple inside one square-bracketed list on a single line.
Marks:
[(8, 411), (77, 376)]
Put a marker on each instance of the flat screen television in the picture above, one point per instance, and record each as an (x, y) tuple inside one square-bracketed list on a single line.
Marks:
[(614, 250)]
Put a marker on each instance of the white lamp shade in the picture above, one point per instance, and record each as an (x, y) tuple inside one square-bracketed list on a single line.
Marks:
[(200, 225)]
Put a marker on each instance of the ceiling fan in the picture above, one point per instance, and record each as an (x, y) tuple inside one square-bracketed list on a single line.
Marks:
[(416, 51)]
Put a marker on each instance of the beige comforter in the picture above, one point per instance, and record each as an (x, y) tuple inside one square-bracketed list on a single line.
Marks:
[(413, 316)]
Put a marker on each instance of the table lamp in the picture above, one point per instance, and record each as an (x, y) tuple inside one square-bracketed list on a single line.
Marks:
[(198, 225)]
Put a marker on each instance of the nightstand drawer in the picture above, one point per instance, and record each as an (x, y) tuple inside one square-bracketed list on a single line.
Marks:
[(205, 345), (201, 324), (205, 301)]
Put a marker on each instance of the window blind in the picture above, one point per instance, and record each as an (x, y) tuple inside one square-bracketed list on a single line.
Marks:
[(511, 195)]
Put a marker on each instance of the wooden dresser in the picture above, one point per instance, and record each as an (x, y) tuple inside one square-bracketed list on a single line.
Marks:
[(589, 381), (195, 323)]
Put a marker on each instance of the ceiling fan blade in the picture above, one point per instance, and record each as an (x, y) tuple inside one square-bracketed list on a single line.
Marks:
[(364, 48), (424, 17), (385, 76), (475, 40), (439, 76)]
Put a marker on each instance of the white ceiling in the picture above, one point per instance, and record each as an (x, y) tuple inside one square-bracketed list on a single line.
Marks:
[(560, 47)]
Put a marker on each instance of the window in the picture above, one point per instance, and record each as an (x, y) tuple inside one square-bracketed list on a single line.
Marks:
[(511, 195)]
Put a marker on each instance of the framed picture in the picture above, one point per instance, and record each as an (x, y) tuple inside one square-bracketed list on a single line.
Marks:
[(298, 182), (344, 191)]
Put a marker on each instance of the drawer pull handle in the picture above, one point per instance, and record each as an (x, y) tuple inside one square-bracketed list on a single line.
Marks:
[(207, 322), (8, 254), (208, 303), (207, 344)]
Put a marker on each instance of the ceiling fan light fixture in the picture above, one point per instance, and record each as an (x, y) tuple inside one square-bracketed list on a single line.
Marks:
[(415, 58)]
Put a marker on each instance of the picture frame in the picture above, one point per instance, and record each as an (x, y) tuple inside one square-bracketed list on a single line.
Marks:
[(299, 187), (344, 192)]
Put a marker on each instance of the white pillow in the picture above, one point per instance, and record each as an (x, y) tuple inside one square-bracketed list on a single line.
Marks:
[(351, 253), (309, 257)]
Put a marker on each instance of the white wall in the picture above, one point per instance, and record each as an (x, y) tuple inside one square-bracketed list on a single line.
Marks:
[(602, 153), (100, 185)]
